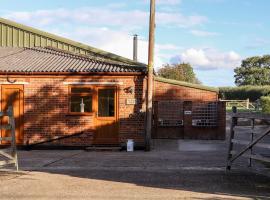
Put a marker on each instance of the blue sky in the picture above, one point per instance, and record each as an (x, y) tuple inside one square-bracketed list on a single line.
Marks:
[(213, 35)]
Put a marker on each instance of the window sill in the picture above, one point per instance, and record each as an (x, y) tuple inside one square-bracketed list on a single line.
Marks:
[(79, 114)]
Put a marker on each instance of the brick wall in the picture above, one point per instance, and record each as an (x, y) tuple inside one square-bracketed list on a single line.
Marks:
[(166, 91), (46, 107), (187, 96), (46, 110)]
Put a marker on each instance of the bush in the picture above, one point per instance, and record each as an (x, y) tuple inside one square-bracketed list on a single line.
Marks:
[(244, 92), (265, 104)]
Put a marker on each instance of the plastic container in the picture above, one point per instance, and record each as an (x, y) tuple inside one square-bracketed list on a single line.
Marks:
[(130, 145)]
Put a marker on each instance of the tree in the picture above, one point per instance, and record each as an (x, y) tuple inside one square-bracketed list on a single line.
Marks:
[(253, 71), (180, 72)]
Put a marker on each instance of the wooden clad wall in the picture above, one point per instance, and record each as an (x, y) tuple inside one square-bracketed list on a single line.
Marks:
[(11, 36)]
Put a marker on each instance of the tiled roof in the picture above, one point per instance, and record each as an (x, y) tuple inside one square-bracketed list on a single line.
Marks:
[(38, 59), (186, 84)]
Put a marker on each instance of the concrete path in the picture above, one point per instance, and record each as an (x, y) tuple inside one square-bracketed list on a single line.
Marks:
[(173, 170)]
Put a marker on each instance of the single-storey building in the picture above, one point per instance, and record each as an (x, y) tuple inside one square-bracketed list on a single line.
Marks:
[(70, 94)]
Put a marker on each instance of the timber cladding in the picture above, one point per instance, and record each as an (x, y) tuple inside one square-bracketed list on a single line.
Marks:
[(46, 109), (13, 34)]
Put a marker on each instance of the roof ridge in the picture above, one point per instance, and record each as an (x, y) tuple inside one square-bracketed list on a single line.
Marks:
[(70, 42)]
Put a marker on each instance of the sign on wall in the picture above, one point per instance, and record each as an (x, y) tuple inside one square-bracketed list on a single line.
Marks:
[(188, 112), (131, 101)]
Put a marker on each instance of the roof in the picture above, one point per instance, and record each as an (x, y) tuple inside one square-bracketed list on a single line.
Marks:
[(18, 35), (186, 84), (47, 59)]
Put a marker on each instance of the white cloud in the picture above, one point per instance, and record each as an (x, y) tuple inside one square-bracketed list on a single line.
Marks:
[(209, 59), (110, 27), (200, 33), (177, 19), (115, 41), (109, 16)]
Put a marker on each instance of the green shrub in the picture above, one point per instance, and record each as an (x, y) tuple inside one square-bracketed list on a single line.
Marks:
[(265, 104), (244, 92)]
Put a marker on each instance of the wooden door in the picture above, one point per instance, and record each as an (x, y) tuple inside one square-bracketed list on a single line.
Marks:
[(106, 120), (13, 95)]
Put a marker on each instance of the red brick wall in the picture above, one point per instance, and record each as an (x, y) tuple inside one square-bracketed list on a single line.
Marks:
[(166, 91), (187, 95), (46, 109)]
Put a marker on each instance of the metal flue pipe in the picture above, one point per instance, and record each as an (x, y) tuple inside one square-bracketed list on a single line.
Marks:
[(135, 48)]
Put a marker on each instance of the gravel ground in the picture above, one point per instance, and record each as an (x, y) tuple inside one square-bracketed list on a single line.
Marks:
[(174, 169)]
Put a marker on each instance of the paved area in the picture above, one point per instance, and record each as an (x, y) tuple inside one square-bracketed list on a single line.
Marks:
[(174, 169)]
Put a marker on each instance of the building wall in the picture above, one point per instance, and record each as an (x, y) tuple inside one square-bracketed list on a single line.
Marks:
[(46, 109), (166, 91), (177, 100)]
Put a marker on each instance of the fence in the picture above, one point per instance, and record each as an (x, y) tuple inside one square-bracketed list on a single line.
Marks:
[(190, 120), (10, 158), (247, 149), (241, 104)]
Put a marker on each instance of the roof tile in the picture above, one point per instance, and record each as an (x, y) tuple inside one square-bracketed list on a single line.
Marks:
[(47, 59)]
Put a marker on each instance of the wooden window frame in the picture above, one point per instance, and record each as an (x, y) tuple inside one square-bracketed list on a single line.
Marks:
[(115, 103), (85, 94)]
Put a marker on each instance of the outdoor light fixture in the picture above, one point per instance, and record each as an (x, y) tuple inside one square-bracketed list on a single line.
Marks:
[(130, 90), (11, 81)]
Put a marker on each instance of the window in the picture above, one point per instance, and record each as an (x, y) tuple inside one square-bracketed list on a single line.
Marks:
[(106, 102), (80, 99)]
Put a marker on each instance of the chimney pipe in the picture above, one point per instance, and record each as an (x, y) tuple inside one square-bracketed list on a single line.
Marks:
[(135, 48)]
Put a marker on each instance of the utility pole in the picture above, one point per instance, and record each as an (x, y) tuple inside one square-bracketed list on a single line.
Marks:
[(149, 105)]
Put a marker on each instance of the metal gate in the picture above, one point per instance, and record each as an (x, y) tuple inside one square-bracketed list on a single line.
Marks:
[(191, 120), (168, 119)]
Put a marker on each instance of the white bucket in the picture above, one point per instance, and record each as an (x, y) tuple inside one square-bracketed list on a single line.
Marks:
[(130, 145)]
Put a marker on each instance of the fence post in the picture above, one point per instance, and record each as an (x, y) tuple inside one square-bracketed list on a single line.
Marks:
[(247, 103), (233, 124), (251, 140)]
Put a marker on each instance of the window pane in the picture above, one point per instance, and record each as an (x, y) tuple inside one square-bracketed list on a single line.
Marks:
[(78, 90), (75, 103), (106, 103)]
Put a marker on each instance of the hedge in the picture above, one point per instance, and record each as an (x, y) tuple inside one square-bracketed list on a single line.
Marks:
[(244, 92), (265, 104)]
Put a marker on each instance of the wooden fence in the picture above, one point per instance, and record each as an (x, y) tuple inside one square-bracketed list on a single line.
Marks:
[(10, 153), (247, 146), (241, 104)]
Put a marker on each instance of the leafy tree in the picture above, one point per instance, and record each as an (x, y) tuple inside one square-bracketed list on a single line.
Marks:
[(253, 71), (180, 72)]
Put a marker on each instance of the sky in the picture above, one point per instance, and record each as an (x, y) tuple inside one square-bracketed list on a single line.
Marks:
[(212, 35)]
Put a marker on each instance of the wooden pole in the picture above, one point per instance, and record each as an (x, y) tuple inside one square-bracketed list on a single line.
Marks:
[(150, 75)]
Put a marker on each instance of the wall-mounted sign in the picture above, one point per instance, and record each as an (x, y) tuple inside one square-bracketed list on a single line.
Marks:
[(188, 112), (131, 101)]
